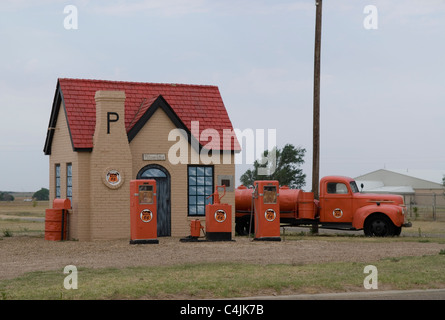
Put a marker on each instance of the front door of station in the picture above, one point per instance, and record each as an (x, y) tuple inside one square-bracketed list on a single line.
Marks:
[(162, 177)]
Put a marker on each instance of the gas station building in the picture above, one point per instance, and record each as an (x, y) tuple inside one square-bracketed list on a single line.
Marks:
[(104, 134)]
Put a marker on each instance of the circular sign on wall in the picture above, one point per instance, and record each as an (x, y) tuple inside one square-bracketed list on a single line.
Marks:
[(113, 178), (146, 215), (270, 215), (337, 213), (220, 215)]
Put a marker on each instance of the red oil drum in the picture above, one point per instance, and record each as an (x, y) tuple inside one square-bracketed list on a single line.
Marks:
[(55, 224)]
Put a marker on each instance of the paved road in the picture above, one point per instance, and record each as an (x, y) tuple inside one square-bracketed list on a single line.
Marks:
[(430, 294)]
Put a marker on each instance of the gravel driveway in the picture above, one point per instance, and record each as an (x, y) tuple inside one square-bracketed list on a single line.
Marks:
[(22, 254)]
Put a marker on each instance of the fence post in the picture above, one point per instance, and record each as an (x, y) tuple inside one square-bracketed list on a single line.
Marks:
[(434, 206)]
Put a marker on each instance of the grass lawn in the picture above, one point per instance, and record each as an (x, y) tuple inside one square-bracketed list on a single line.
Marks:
[(229, 280)]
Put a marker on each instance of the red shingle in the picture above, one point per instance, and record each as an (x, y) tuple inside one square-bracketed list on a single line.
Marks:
[(189, 102)]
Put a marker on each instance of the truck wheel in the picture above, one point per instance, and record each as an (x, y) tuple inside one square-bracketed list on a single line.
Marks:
[(379, 225), (242, 226)]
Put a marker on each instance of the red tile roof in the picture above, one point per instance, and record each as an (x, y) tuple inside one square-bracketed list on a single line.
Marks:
[(188, 102)]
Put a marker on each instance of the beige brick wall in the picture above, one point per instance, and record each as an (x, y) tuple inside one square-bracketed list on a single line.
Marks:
[(62, 153)]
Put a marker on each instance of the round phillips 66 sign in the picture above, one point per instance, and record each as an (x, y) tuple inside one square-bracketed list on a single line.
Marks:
[(146, 215), (270, 215), (220, 215)]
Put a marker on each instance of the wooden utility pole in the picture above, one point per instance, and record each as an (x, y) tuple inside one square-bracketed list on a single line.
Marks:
[(316, 126)]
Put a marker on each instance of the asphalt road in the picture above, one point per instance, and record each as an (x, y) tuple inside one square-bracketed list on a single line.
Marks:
[(429, 294)]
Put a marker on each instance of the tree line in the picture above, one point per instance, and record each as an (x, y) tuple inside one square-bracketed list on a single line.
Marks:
[(40, 195)]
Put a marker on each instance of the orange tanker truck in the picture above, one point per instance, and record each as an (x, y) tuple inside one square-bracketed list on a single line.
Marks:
[(341, 206)]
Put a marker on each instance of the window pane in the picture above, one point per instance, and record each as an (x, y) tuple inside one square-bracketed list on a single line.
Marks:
[(270, 194), (200, 181), (153, 173), (201, 199), (341, 188), (192, 200), (208, 190), (201, 210), (192, 210), (200, 171), (192, 181), (192, 171), (209, 171)]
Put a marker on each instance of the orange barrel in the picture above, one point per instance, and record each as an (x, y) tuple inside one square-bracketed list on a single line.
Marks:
[(306, 206), (195, 228), (53, 224)]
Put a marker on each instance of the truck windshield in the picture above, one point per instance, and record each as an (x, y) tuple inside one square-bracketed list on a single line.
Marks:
[(353, 187)]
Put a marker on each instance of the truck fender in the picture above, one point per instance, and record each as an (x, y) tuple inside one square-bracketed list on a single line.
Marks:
[(392, 212)]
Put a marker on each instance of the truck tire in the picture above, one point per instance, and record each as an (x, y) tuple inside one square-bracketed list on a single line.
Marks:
[(379, 225), (242, 226)]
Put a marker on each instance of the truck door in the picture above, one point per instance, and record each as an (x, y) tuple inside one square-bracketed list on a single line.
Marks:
[(336, 203)]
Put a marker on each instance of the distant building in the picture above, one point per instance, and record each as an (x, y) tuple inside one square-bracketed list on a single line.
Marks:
[(417, 191)]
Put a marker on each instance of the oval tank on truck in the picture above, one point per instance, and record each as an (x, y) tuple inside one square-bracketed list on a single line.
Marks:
[(288, 199), (288, 202), (243, 199)]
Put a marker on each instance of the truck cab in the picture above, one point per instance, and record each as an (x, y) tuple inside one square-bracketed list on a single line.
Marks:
[(342, 205)]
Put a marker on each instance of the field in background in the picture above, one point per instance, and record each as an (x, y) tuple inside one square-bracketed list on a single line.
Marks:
[(20, 217)]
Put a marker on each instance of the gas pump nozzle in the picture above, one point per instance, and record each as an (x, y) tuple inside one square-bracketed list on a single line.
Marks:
[(215, 195)]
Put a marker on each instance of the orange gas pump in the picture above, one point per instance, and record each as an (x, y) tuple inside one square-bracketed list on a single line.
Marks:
[(143, 216), (267, 210), (218, 218)]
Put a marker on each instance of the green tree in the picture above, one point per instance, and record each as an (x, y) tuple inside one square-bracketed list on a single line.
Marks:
[(41, 195), (286, 167), (4, 196)]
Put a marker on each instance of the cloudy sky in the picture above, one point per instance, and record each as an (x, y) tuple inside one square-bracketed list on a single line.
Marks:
[(382, 90)]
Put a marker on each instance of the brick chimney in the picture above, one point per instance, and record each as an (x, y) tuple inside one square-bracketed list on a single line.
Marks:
[(110, 118), (110, 169)]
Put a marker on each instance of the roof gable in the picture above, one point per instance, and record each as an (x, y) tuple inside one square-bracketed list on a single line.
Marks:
[(182, 103)]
